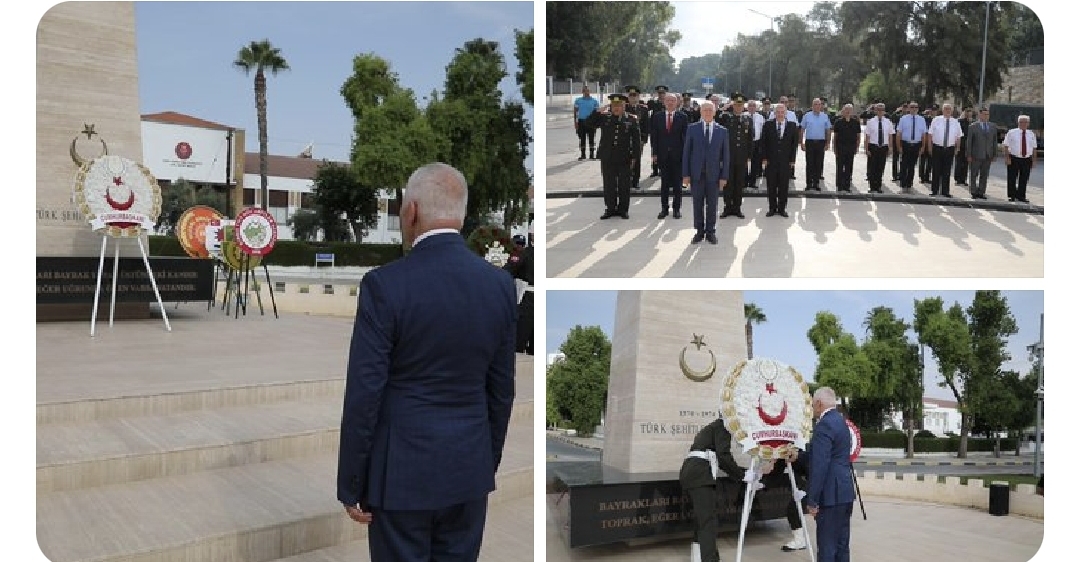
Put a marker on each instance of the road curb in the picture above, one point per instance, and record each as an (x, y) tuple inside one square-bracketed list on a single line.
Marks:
[(569, 441), (956, 462)]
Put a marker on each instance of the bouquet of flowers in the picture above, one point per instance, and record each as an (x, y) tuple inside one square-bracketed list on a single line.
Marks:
[(494, 244)]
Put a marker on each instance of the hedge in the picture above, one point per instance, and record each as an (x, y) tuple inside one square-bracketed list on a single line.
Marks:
[(293, 252), (898, 440)]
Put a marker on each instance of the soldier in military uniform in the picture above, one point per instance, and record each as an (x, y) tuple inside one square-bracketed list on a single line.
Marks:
[(690, 107), (740, 127), (897, 151), (637, 107), (656, 105), (712, 445), (620, 145)]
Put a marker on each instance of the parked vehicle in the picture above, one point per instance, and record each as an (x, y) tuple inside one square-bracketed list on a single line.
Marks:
[(1004, 115)]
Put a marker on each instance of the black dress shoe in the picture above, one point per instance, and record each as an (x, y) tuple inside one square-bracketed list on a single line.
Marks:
[(1012, 199), (624, 215), (725, 214), (677, 214), (697, 238), (1024, 201), (948, 195), (662, 214), (606, 215), (582, 157), (770, 213), (783, 214), (711, 238), (740, 215)]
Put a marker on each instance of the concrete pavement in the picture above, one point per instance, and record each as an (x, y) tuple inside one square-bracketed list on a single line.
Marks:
[(829, 234)]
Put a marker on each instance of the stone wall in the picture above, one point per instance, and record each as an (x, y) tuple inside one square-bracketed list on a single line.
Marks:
[(1023, 84), (948, 490)]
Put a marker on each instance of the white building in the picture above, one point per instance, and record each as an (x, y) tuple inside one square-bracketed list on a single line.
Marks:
[(178, 146), (939, 416)]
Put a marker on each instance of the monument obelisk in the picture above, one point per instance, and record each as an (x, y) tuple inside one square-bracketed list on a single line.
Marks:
[(87, 100), (670, 353)]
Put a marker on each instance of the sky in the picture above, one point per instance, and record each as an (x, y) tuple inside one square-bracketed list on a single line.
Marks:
[(186, 50), (707, 27), (789, 314)]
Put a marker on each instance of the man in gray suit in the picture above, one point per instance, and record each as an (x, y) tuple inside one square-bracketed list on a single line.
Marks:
[(981, 150)]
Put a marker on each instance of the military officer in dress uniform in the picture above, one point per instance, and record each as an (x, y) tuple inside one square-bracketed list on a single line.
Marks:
[(740, 127), (636, 106), (690, 107), (656, 105), (620, 145)]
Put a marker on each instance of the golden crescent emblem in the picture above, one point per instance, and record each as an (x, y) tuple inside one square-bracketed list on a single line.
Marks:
[(694, 375), (79, 161)]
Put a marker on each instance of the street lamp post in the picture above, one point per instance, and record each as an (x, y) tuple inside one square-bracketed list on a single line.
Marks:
[(1039, 403), (772, 20)]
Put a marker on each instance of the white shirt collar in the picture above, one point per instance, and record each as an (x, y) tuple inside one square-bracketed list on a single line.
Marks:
[(433, 232)]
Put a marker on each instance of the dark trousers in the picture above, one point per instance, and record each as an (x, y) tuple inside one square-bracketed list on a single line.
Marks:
[(815, 161), (733, 190), (777, 175), (896, 165), (834, 533), (1016, 177), (584, 132), (875, 165), (961, 164), (706, 195), (845, 161), (636, 180), (670, 167), (980, 171), (755, 166), (616, 174), (926, 169), (943, 159), (451, 534), (706, 525), (908, 164), (525, 324)]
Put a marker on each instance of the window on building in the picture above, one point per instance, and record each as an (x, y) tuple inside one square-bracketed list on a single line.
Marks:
[(249, 197), (307, 200), (328, 289), (279, 198), (279, 286), (393, 214)]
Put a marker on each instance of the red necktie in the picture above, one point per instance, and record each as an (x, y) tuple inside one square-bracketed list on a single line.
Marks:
[(1023, 144), (669, 122)]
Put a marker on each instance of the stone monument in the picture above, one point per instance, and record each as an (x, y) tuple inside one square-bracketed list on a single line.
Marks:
[(669, 355)]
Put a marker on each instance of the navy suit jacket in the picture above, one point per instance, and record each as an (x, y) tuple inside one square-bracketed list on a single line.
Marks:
[(714, 155), (662, 142), (830, 463), (430, 380)]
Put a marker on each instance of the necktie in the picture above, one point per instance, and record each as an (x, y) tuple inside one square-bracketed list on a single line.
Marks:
[(669, 122), (880, 132), (1023, 144), (985, 127), (947, 132), (912, 121), (708, 133)]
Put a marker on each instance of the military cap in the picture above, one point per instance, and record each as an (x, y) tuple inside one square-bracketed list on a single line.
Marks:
[(766, 100), (659, 88), (633, 90), (737, 97), (618, 98), (687, 95), (935, 107)]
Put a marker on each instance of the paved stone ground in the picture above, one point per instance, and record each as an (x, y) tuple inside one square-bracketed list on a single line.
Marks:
[(829, 234)]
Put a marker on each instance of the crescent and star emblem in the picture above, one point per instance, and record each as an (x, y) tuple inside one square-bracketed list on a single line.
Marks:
[(698, 341), (88, 130), (112, 202), (778, 419)]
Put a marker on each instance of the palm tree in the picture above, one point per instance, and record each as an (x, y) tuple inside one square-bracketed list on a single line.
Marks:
[(754, 315), (261, 56)]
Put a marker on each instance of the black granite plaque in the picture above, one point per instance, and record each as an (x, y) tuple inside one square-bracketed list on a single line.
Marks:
[(62, 280), (610, 512)]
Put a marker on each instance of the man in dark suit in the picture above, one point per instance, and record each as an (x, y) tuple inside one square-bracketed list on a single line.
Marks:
[(697, 479), (981, 148), (960, 168), (706, 162), (657, 105), (620, 145), (430, 385), (779, 141), (521, 268), (668, 134), (740, 127), (831, 491)]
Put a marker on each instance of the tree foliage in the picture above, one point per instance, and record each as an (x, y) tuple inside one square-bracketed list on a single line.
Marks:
[(261, 57), (577, 383), (180, 196), (753, 315), (339, 190), (523, 51)]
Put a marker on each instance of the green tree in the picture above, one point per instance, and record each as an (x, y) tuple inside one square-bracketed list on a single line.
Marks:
[(262, 57), (339, 191), (304, 224), (577, 383), (753, 315), (180, 196), (842, 364), (895, 381), (484, 137), (989, 389), (608, 40), (523, 51), (946, 333)]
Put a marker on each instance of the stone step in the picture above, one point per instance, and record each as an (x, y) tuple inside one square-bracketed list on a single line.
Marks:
[(252, 513), (84, 454), (508, 537)]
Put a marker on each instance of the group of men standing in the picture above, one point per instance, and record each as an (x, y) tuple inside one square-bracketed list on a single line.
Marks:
[(677, 132)]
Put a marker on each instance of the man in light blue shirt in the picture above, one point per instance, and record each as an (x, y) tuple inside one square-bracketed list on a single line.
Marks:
[(583, 108), (815, 133), (911, 136)]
